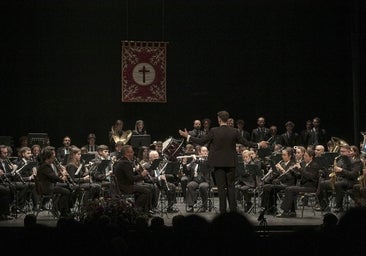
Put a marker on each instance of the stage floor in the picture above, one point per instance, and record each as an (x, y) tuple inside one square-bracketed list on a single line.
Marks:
[(309, 219)]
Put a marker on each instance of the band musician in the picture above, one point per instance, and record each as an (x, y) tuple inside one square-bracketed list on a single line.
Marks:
[(308, 172), (128, 180), (198, 173), (249, 177), (343, 176), (161, 180), (278, 178)]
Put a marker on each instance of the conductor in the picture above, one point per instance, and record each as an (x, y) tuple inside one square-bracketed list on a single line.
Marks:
[(223, 157)]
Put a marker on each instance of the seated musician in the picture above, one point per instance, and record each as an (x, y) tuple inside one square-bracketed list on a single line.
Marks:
[(26, 171), (102, 168), (85, 189), (128, 180), (18, 188), (247, 178), (198, 173), (162, 180), (49, 178), (278, 181), (308, 172), (343, 175)]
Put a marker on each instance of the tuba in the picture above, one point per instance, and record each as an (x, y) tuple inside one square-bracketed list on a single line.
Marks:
[(337, 142), (124, 138)]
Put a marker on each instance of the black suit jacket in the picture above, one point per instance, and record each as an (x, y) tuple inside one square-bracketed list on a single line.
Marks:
[(222, 141)]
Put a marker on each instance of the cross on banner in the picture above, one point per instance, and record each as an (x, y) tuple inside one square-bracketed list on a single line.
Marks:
[(144, 71)]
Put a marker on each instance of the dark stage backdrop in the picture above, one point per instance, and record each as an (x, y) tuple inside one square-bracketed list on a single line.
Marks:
[(284, 60)]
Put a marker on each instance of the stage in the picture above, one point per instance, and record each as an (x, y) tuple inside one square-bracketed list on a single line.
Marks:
[(310, 218)]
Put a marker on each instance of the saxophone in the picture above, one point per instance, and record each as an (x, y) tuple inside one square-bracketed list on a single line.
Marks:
[(333, 174)]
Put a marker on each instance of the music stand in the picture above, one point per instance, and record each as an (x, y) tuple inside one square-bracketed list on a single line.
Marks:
[(87, 157), (103, 165), (255, 171), (327, 159), (138, 141)]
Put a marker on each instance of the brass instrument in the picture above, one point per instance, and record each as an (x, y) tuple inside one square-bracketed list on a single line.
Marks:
[(333, 174), (124, 138), (337, 142)]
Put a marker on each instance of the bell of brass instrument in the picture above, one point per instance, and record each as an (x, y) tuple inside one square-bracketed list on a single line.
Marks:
[(124, 138), (337, 142)]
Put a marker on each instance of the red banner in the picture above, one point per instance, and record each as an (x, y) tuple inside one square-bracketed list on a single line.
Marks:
[(144, 71)]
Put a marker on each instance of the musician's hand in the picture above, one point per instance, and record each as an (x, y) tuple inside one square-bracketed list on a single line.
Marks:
[(162, 177), (144, 173), (183, 133), (64, 178), (263, 144), (338, 169)]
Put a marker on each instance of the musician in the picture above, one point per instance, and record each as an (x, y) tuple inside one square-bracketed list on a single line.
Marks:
[(206, 125), (149, 182), (240, 126), (196, 131), (162, 180), (307, 171), (102, 168), (127, 180), (280, 177), (198, 172), (318, 135), (18, 188), (248, 179), (188, 150), (5, 188), (261, 133), (26, 175), (117, 133), (358, 192), (289, 138), (116, 154), (305, 134), (50, 177), (91, 146), (346, 172), (139, 128), (5, 198), (84, 189), (36, 152), (63, 150)]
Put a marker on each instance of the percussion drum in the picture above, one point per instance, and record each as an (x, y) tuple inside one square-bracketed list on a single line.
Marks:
[(172, 148)]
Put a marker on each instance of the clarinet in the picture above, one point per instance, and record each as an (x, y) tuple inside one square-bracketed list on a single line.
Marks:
[(62, 169)]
